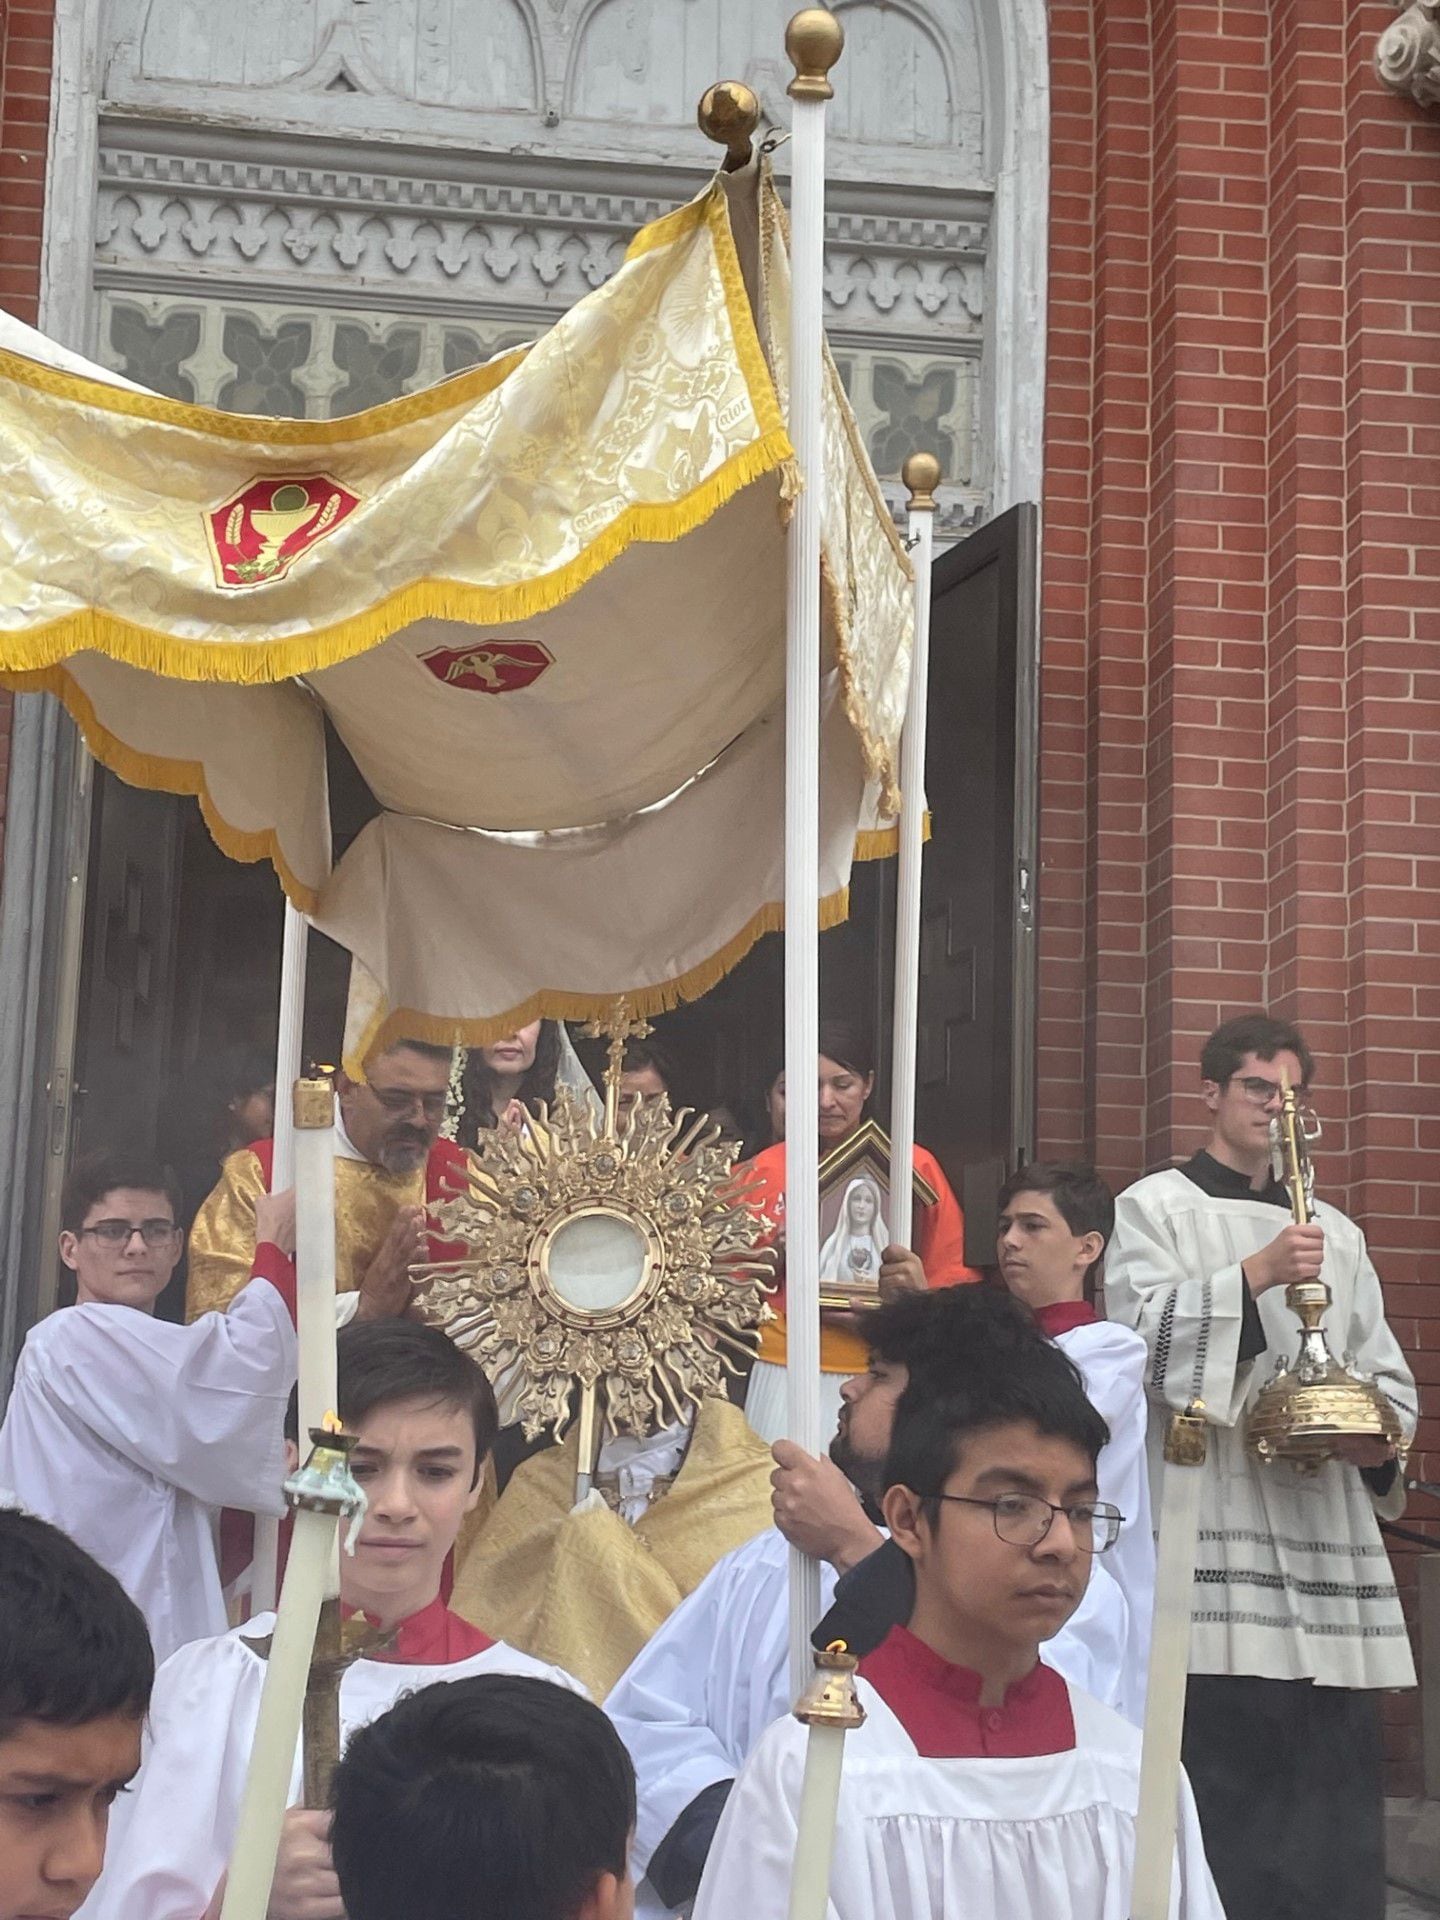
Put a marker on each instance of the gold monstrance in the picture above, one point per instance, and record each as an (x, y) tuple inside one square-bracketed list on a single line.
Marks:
[(1305, 1407), (617, 1254)]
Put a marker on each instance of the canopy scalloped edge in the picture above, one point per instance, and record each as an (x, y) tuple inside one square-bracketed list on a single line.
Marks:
[(404, 1023), (244, 663), (160, 775)]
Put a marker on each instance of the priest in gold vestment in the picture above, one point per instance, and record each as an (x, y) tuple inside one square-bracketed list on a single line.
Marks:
[(585, 1587), (390, 1165)]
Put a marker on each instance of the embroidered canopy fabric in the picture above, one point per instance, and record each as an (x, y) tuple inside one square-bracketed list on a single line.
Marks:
[(541, 603)]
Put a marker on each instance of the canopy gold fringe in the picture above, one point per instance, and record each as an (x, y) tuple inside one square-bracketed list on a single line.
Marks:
[(158, 774), (263, 662), (406, 1023)]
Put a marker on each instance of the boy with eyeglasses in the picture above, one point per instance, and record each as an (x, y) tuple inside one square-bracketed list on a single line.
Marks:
[(1297, 1625), (981, 1782), (130, 1433)]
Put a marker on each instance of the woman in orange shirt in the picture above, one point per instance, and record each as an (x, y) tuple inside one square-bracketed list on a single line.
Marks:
[(847, 1075)]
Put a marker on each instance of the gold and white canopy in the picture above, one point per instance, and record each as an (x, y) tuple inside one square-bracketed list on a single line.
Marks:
[(541, 603)]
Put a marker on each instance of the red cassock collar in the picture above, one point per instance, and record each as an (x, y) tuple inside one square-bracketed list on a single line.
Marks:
[(1063, 1316), (433, 1637), (939, 1705)]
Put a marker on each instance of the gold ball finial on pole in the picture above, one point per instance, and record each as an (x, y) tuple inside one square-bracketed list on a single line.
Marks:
[(921, 474), (729, 114), (814, 41)]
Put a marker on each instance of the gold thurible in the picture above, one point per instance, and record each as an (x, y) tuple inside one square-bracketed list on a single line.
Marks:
[(1305, 1407), (729, 114), (814, 41), (921, 474)]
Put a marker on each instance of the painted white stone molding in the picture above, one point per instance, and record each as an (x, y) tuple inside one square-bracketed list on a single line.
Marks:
[(533, 236), (1407, 54)]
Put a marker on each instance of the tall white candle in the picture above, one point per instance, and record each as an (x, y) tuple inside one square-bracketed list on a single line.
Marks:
[(1169, 1666), (813, 40), (289, 1045), (277, 1729), (815, 1837), (922, 474), (315, 1261)]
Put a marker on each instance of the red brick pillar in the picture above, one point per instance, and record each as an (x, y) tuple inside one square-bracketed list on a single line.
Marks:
[(1242, 603)]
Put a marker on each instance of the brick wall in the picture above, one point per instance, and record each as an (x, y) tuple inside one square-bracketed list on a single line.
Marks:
[(26, 32), (1240, 777)]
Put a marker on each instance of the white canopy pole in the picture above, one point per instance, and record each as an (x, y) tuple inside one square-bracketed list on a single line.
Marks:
[(1179, 1517), (922, 476), (289, 1042), (813, 41)]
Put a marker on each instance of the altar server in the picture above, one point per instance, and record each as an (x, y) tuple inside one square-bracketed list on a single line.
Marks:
[(1054, 1223), (699, 1696), (982, 1781), (130, 1432), (425, 1416), (1297, 1625), (498, 1797), (75, 1676)]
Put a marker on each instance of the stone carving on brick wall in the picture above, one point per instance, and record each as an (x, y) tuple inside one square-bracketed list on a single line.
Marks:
[(1407, 54)]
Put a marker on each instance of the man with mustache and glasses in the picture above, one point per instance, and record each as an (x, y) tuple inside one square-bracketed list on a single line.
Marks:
[(697, 1698), (983, 1781), (390, 1163)]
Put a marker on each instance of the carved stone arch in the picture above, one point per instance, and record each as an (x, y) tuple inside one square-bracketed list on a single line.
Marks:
[(582, 63), (200, 42), (861, 20)]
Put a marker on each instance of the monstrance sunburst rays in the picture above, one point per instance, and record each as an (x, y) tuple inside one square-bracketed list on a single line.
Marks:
[(661, 1187)]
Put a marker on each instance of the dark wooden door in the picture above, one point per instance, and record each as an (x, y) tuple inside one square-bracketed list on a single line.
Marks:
[(976, 982), (974, 1102), (127, 976)]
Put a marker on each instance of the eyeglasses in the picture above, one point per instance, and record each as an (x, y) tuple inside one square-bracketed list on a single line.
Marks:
[(1261, 1092), (1024, 1519), (117, 1233), (397, 1101)]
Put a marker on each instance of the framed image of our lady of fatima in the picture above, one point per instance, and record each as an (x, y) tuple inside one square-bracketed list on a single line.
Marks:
[(854, 1217)]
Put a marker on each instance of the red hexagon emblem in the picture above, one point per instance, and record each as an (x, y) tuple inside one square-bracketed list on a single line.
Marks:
[(259, 533), (490, 666)]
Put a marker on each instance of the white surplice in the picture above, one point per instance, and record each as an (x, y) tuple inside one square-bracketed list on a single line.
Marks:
[(699, 1695), (1292, 1578), (1045, 1838), (1112, 1360), (129, 1433), (171, 1835)]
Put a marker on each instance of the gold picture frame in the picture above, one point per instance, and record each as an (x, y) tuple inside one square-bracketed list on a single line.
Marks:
[(854, 1211)]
